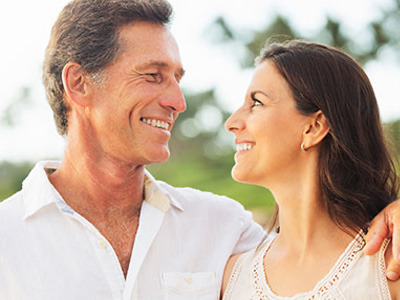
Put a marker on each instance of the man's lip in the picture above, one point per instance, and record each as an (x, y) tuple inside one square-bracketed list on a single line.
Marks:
[(237, 141), (162, 119)]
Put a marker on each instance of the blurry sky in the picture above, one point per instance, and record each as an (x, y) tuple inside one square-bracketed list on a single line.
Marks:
[(25, 27)]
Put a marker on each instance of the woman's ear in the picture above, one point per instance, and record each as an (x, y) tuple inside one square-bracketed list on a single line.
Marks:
[(75, 84), (316, 131)]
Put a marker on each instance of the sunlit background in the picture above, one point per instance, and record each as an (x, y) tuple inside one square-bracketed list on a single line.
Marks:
[(218, 42)]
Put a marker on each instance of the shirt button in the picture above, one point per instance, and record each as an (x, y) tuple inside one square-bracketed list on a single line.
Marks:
[(189, 280), (102, 244)]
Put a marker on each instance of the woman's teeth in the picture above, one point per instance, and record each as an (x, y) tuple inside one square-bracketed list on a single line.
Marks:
[(243, 147)]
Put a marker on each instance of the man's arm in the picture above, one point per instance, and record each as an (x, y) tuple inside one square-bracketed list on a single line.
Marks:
[(386, 224)]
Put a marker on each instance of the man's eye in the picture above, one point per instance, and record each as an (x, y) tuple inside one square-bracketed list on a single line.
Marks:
[(154, 77)]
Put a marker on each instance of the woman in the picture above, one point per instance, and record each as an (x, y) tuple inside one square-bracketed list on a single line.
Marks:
[(309, 131)]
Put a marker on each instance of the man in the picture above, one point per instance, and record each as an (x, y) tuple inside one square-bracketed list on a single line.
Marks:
[(98, 225)]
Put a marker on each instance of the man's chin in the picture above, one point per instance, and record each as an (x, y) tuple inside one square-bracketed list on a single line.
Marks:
[(159, 157)]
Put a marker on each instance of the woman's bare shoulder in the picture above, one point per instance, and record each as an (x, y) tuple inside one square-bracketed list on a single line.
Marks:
[(228, 271)]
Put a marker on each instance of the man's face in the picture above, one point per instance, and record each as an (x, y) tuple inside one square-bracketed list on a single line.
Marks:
[(132, 113)]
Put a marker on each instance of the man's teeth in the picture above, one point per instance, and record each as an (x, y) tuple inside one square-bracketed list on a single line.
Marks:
[(156, 123), (243, 147)]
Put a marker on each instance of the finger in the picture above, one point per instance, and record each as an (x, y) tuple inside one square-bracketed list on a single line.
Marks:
[(393, 269), (395, 225), (374, 244), (377, 232)]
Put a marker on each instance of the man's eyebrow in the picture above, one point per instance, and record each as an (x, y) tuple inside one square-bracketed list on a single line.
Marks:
[(160, 64)]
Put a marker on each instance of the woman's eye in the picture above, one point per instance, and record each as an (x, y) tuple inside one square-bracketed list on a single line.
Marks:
[(256, 102)]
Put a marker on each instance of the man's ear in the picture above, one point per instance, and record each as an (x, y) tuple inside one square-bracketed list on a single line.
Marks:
[(316, 131), (75, 84)]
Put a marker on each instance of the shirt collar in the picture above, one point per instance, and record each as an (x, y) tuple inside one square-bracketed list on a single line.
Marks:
[(38, 191), (157, 196)]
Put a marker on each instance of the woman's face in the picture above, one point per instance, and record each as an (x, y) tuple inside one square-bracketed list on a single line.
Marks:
[(268, 130)]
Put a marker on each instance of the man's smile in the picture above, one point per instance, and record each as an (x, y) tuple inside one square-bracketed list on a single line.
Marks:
[(156, 123)]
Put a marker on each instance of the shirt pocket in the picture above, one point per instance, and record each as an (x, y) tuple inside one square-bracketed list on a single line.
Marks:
[(193, 286)]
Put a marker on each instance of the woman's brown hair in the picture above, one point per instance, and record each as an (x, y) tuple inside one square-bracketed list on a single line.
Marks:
[(356, 172)]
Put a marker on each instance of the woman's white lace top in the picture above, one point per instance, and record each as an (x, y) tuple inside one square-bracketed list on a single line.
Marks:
[(354, 276)]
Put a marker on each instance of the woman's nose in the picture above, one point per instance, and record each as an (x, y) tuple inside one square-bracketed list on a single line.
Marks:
[(234, 122)]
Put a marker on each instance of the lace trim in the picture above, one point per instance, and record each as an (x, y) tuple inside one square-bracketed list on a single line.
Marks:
[(234, 275), (383, 283), (264, 292)]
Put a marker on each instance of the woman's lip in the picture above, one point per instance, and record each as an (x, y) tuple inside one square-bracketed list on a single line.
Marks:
[(237, 141)]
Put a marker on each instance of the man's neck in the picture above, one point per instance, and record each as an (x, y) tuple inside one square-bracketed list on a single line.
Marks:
[(102, 187)]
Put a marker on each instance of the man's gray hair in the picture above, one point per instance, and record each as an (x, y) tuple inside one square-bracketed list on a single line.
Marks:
[(87, 32)]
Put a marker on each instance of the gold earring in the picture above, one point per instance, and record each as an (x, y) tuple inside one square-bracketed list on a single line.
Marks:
[(303, 148)]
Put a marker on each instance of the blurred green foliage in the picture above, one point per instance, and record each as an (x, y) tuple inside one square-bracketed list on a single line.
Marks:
[(211, 175), (11, 177), (382, 34), (202, 153)]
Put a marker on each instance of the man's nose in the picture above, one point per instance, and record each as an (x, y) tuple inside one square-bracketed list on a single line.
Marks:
[(174, 99)]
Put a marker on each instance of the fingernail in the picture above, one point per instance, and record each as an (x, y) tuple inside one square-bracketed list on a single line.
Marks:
[(392, 275)]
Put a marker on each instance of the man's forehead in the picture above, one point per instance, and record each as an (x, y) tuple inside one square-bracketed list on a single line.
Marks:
[(140, 33), (150, 45)]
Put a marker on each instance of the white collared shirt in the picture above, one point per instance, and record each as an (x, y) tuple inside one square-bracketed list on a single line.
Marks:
[(184, 238)]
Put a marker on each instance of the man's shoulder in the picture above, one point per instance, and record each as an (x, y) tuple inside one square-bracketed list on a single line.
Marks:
[(191, 197), (11, 210), (11, 203), (190, 193), (226, 214)]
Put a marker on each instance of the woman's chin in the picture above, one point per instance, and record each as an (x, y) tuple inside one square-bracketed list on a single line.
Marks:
[(240, 176)]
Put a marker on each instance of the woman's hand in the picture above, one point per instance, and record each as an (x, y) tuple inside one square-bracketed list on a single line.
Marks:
[(386, 224)]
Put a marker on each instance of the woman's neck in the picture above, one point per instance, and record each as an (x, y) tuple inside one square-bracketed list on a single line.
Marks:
[(308, 244), (304, 219)]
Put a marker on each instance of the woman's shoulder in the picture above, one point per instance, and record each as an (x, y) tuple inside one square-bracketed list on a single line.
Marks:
[(230, 265), (231, 269), (236, 262), (374, 269)]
